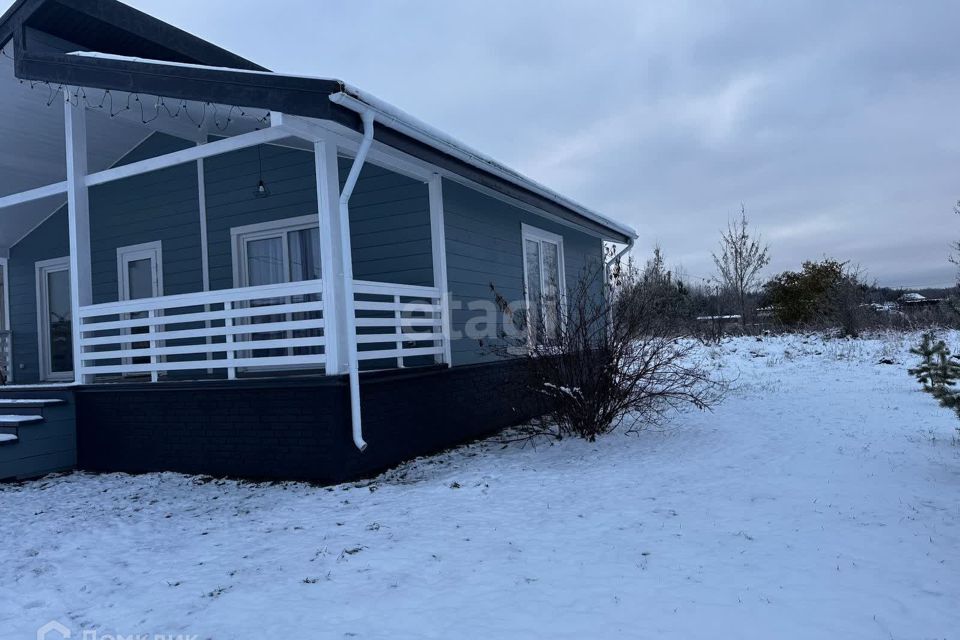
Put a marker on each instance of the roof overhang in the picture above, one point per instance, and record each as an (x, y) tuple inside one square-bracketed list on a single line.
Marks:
[(108, 25), (33, 147), (222, 78)]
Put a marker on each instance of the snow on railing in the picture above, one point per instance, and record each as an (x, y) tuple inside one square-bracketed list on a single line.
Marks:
[(398, 322), (277, 326)]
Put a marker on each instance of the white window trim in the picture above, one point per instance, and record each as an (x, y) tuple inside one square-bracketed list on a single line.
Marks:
[(5, 319), (149, 250), (152, 250), (239, 236), (536, 234), (42, 268), (5, 263)]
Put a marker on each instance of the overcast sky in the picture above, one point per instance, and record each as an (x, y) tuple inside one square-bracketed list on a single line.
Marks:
[(837, 125)]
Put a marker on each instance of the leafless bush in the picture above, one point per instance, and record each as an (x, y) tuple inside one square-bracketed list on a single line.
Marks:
[(846, 302), (616, 358)]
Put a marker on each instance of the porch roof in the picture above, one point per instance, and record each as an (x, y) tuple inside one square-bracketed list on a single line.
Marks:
[(33, 152), (124, 50)]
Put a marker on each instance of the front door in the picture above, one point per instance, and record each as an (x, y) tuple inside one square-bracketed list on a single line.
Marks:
[(140, 275), (54, 320), (274, 253)]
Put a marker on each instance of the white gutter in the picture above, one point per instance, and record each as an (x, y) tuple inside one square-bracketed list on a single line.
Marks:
[(619, 255), (358, 100), (347, 252), (608, 289)]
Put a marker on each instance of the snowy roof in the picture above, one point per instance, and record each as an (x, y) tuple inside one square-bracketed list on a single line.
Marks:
[(394, 117)]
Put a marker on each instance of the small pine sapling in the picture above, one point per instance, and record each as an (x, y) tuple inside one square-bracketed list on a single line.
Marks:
[(938, 371)]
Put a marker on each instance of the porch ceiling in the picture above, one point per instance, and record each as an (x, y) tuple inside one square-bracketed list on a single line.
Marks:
[(33, 148)]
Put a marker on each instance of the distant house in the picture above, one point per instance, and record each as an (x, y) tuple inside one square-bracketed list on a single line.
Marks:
[(913, 300), (211, 268)]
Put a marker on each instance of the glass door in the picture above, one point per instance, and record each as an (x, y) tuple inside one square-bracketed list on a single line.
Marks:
[(265, 265), (140, 275), (276, 253), (3, 296), (54, 320), (6, 349)]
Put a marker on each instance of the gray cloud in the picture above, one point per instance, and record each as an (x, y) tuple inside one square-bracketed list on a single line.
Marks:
[(835, 123)]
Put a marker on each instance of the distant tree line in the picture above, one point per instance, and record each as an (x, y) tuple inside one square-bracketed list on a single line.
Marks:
[(824, 294)]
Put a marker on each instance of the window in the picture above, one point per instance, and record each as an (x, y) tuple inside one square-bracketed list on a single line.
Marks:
[(139, 275), (4, 306), (544, 283), (140, 271), (54, 319), (6, 348), (273, 253)]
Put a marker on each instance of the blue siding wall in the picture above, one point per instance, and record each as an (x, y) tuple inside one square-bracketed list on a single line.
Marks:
[(230, 182), (485, 250), (390, 226), (49, 240), (161, 205), (389, 213)]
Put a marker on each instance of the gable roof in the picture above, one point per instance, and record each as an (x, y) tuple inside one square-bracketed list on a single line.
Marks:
[(108, 45)]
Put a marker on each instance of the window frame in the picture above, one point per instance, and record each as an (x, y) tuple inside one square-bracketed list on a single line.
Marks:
[(538, 235), (239, 236), (150, 250), (42, 269), (5, 299)]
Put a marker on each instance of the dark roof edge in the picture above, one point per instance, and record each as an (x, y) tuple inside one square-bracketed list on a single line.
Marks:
[(287, 94), (242, 88), (133, 21), (21, 10)]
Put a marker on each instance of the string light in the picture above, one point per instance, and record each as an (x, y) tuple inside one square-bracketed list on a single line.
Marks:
[(150, 107)]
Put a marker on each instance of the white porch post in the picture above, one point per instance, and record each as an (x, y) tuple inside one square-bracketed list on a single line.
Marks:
[(331, 256), (204, 245), (78, 215), (439, 244)]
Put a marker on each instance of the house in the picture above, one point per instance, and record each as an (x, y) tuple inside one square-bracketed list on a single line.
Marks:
[(212, 268), (911, 301)]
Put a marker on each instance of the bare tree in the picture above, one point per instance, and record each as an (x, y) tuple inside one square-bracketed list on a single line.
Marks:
[(741, 259), (615, 358), (955, 258)]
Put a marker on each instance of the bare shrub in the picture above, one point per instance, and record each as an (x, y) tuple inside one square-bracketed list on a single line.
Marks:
[(846, 302), (616, 358)]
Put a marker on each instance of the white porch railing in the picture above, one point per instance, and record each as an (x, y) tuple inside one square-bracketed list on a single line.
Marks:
[(6, 356), (397, 322), (278, 325)]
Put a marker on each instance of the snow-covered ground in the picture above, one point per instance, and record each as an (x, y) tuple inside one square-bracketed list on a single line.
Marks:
[(821, 500)]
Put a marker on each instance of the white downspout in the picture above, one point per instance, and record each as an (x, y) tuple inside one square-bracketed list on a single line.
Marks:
[(608, 289), (619, 255), (347, 252)]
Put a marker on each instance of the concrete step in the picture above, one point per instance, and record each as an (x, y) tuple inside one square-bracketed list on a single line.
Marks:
[(8, 438), (29, 403), (19, 420)]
